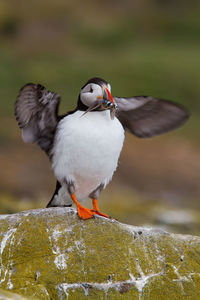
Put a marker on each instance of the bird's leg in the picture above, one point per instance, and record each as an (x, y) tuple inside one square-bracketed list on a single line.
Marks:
[(96, 208), (83, 212), (95, 204), (94, 196)]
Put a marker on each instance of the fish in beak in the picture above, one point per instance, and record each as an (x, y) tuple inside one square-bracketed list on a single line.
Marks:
[(107, 102)]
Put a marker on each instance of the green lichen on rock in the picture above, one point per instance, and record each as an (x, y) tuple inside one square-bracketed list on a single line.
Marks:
[(52, 254), (5, 295)]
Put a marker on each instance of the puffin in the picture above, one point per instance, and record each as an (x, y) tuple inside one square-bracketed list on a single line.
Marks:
[(84, 145)]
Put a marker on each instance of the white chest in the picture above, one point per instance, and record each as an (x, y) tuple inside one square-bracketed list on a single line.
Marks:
[(87, 149)]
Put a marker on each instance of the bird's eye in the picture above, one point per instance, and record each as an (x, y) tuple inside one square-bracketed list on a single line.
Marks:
[(91, 90)]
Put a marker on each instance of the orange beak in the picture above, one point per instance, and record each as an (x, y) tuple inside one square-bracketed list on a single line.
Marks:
[(109, 96)]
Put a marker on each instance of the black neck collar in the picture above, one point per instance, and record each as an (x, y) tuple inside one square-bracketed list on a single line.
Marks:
[(80, 105)]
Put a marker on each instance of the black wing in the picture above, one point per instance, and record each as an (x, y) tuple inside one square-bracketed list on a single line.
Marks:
[(146, 116), (36, 111)]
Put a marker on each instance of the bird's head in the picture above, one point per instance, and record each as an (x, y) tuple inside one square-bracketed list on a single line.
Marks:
[(96, 95)]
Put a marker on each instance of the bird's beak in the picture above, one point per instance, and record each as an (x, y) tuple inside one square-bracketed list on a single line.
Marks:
[(107, 95), (111, 104)]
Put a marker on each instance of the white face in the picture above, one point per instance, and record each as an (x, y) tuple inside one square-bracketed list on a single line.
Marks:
[(91, 92)]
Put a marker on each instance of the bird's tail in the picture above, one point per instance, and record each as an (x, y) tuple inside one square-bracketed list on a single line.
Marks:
[(59, 198)]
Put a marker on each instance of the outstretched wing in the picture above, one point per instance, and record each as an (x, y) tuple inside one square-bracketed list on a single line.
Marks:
[(146, 116), (36, 111)]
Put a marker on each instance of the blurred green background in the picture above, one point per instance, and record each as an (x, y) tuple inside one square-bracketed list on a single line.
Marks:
[(141, 47)]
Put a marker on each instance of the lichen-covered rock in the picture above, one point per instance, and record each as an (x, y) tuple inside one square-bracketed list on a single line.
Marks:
[(5, 295), (52, 254)]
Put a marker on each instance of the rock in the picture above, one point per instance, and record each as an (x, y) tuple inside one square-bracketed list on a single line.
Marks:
[(5, 295), (52, 254)]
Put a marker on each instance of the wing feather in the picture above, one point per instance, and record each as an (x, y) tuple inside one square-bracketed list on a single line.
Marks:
[(147, 116), (36, 111)]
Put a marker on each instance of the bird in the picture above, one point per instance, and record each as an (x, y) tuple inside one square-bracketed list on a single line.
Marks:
[(84, 145)]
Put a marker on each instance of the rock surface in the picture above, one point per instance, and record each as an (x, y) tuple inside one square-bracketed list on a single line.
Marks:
[(52, 254), (5, 295)]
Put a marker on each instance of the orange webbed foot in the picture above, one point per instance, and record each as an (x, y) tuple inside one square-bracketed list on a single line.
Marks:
[(85, 213)]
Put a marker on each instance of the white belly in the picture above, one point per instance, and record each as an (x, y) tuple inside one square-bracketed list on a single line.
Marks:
[(86, 150)]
